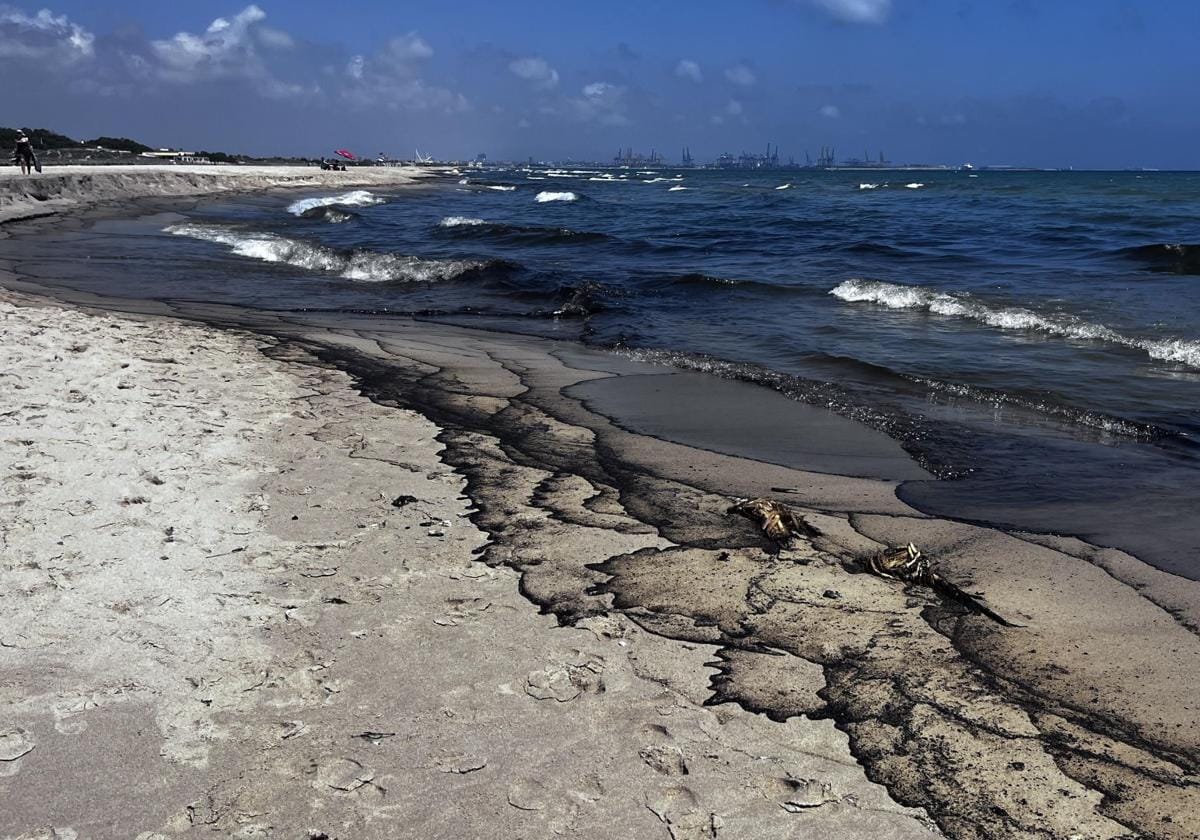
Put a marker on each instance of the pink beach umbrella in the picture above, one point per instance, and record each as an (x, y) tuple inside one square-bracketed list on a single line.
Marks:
[(344, 153)]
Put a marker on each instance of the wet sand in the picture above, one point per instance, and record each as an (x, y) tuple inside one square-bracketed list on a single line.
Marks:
[(591, 503)]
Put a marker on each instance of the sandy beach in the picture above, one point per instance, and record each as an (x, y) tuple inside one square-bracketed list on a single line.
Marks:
[(273, 574), (63, 189)]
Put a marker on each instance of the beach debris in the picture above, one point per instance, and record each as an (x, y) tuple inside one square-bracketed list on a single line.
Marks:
[(908, 565), (779, 522), (404, 501), (375, 738)]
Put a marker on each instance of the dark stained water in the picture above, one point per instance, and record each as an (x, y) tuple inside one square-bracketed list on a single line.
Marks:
[(1031, 338)]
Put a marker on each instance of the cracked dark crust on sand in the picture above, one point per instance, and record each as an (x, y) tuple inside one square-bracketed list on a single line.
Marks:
[(929, 713), (936, 705)]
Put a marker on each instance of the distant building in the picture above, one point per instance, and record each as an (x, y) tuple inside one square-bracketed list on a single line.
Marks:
[(175, 156)]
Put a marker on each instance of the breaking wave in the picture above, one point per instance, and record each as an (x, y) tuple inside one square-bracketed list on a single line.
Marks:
[(897, 296), (547, 195), (460, 221), (363, 266), (357, 198)]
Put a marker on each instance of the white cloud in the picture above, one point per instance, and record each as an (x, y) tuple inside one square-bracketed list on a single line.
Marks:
[(831, 112), (275, 38), (688, 69), (856, 11), (732, 110), (602, 102), (740, 74), (225, 50), (597, 90), (54, 41), (406, 50), (391, 79), (536, 70)]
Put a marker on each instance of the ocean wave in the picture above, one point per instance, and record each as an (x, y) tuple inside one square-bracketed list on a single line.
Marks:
[(915, 185), (1086, 418), (784, 187), (471, 227), (363, 266), (1170, 258), (897, 296), (871, 186), (676, 188), (329, 213), (696, 279), (357, 198), (547, 195)]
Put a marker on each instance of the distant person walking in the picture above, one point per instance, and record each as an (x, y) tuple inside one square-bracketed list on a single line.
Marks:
[(23, 153)]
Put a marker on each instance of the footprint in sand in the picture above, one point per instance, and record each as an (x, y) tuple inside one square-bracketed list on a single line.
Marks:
[(15, 744)]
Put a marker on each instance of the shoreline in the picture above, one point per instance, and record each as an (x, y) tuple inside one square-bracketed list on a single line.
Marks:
[(71, 189), (600, 522), (277, 635)]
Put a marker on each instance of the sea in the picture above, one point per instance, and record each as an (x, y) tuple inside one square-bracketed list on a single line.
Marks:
[(1032, 339)]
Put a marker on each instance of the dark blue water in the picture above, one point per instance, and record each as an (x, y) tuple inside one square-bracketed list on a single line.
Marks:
[(1034, 336)]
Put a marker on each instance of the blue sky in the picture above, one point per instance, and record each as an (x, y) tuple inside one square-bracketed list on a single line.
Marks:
[(1088, 83)]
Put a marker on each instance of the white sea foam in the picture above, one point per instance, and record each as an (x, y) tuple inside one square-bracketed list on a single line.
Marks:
[(500, 188), (676, 188), (871, 186), (547, 195), (460, 221), (915, 185), (358, 198), (897, 296), (784, 187), (351, 265)]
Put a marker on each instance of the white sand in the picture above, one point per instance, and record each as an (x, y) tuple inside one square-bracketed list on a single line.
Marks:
[(213, 620)]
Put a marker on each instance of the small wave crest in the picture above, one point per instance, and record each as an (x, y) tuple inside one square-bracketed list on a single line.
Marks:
[(363, 266), (708, 281), (329, 213), (548, 195), (897, 296), (357, 198), (1170, 258), (466, 226)]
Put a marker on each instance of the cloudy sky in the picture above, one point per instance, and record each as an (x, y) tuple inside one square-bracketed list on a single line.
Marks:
[(1088, 83)]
